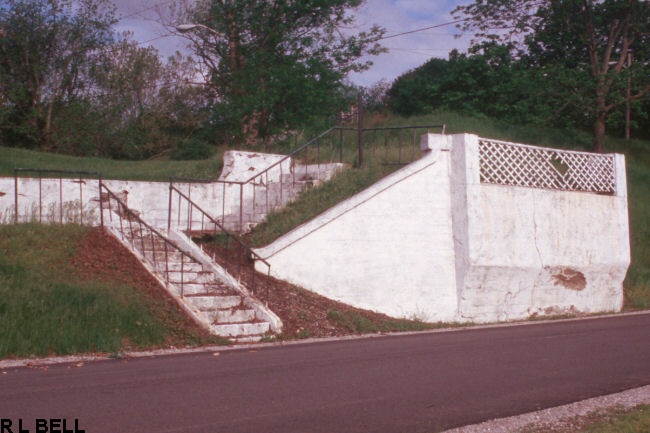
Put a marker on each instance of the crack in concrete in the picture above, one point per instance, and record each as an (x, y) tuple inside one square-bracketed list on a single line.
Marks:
[(539, 254)]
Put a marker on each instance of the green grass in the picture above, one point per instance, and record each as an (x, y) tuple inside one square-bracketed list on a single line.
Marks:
[(11, 158), (316, 201), (359, 323), (614, 420), (47, 309)]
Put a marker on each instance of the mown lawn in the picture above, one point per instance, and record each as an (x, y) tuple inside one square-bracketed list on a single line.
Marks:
[(51, 305)]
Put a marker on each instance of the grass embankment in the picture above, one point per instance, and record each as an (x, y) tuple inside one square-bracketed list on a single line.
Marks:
[(159, 170), (615, 420), (50, 306)]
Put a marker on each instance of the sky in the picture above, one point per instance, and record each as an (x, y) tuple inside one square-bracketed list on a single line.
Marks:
[(405, 52)]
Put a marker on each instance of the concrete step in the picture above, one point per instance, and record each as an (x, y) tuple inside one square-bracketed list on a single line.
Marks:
[(231, 315), (189, 289), (190, 276), (162, 255), (205, 301), (186, 266), (238, 330)]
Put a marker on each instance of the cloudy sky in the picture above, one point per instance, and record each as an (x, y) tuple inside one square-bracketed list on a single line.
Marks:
[(405, 52)]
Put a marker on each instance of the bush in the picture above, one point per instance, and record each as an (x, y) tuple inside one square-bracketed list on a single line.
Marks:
[(191, 149)]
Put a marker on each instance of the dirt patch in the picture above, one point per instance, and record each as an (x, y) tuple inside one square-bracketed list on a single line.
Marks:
[(304, 314), (101, 257)]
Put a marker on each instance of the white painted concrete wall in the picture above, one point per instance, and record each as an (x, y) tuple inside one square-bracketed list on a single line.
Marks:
[(432, 241), (60, 200), (525, 251), (388, 249), (54, 200)]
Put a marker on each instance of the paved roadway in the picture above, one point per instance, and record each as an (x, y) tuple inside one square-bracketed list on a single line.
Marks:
[(409, 383)]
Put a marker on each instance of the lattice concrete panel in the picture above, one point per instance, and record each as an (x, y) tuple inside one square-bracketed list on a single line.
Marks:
[(514, 164)]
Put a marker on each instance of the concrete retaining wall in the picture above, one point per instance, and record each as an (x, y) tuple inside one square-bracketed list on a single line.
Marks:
[(69, 200), (530, 251), (434, 242), (370, 251)]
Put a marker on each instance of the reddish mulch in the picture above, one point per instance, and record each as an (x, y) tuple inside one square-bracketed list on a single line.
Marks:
[(101, 257), (303, 313)]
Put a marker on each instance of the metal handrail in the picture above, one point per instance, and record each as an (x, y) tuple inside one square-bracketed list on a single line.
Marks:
[(263, 175), (40, 172), (123, 209), (218, 228)]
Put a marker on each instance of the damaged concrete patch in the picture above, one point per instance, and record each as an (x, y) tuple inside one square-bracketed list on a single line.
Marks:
[(569, 278)]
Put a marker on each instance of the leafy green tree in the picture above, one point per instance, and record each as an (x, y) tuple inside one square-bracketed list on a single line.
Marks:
[(46, 53), (488, 81), (272, 65), (582, 45)]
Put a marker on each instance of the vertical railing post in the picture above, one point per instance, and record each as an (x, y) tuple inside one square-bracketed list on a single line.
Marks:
[(15, 196), (60, 200), (360, 128), (241, 207), (281, 184), (266, 187), (223, 204), (341, 145), (169, 209), (101, 203), (40, 198), (81, 202), (254, 199)]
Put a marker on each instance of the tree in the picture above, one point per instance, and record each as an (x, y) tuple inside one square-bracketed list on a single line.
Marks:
[(146, 106), (46, 53), (584, 44), (488, 81), (272, 65)]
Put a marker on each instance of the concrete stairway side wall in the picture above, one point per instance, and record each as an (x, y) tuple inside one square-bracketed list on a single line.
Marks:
[(388, 248), (436, 242)]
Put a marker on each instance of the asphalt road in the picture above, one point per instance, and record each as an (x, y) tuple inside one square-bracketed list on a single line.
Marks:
[(409, 383)]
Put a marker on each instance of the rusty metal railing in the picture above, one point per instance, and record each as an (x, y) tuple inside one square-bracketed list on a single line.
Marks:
[(65, 211), (153, 246), (215, 240), (257, 195)]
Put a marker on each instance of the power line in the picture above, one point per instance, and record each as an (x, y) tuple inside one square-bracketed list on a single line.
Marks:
[(421, 29)]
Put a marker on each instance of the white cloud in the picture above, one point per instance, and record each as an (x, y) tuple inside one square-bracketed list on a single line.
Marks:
[(411, 50), (397, 16)]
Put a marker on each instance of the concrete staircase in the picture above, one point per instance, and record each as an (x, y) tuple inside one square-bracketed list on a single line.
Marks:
[(206, 292), (277, 194)]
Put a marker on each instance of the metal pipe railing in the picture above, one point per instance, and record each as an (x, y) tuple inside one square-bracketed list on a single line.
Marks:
[(144, 234), (241, 187), (40, 172), (217, 231)]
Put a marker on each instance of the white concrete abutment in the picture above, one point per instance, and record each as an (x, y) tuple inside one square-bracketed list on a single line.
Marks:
[(476, 230)]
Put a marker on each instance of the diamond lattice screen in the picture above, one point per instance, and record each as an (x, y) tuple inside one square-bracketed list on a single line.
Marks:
[(520, 165)]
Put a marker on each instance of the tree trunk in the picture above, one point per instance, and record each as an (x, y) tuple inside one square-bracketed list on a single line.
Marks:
[(599, 132)]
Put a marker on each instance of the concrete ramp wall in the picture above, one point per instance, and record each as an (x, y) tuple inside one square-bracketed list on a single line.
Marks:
[(389, 248), (477, 230)]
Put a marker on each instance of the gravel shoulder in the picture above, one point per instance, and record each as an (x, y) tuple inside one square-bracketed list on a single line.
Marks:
[(561, 418)]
